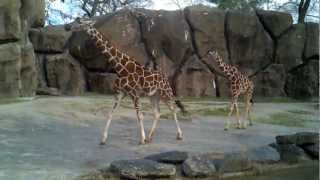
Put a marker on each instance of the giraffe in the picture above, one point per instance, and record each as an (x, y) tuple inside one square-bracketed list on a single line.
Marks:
[(239, 84), (133, 80)]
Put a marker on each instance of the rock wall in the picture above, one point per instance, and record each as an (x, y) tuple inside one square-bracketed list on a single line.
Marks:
[(18, 75), (265, 45)]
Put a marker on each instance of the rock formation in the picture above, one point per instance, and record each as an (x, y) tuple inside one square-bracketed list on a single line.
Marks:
[(281, 57)]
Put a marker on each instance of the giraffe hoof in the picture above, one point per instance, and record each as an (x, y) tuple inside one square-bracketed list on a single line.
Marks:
[(102, 143), (250, 124), (143, 142), (149, 140), (226, 129), (179, 137)]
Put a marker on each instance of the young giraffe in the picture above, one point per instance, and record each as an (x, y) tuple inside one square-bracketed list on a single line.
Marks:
[(134, 80), (239, 84)]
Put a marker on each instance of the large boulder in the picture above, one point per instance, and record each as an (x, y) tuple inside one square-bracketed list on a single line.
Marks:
[(200, 166), (303, 82), (275, 22), (208, 28), (199, 79), (10, 23), (270, 82), (264, 155), (65, 73), (167, 38), (122, 29), (34, 12), (235, 162), (51, 39), (300, 138), (250, 46), (290, 47), (142, 168), (291, 153), (311, 49), (10, 66), (312, 150), (28, 71)]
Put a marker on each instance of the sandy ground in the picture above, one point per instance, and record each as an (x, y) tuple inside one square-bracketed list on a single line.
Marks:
[(57, 138)]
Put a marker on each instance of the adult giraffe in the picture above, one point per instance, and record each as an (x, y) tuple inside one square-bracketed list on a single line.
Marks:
[(133, 80)]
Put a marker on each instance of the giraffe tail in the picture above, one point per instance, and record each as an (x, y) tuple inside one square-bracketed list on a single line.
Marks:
[(181, 107)]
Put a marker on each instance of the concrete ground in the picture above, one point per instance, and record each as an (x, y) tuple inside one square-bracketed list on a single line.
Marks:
[(58, 137)]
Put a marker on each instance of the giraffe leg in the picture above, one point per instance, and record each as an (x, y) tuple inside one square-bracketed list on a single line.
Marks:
[(156, 111), (140, 120), (239, 124), (116, 104), (227, 123), (172, 108), (248, 108)]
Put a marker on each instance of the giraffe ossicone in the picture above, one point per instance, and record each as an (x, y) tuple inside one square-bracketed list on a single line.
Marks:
[(134, 80)]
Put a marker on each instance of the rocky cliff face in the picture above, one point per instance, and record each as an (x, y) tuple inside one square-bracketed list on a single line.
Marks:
[(280, 57), (17, 57)]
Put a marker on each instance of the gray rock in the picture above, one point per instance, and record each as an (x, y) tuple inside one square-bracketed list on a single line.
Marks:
[(10, 66), (65, 73), (51, 39), (34, 12), (10, 22), (286, 139), (300, 138), (275, 22), (142, 168), (304, 138), (171, 157), (291, 153), (271, 81), (312, 41), (303, 82), (265, 154), (250, 46), (312, 150), (199, 166), (208, 36), (235, 162), (168, 39), (195, 73), (290, 47), (28, 72)]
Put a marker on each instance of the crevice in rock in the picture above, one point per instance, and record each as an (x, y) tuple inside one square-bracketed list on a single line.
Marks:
[(45, 70), (192, 31), (178, 71), (48, 52), (260, 70), (269, 32), (6, 41), (226, 36), (140, 21), (303, 56)]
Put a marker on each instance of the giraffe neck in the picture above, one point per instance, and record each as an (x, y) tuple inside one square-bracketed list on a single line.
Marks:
[(228, 70), (116, 59)]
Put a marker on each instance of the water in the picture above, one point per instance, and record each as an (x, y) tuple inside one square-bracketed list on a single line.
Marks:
[(310, 172)]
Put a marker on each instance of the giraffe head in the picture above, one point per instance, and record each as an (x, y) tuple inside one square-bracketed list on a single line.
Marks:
[(80, 25), (214, 54)]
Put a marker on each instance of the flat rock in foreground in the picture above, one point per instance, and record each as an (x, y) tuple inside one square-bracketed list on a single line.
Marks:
[(200, 165), (142, 168), (171, 157)]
